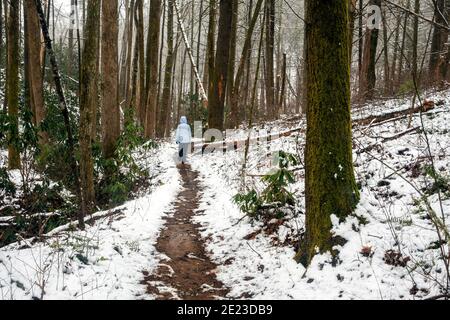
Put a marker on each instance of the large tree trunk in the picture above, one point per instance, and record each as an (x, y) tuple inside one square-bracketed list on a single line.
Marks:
[(438, 66), (402, 47), (35, 81), (415, 60), (123, 54), (110, 78), (129, 61), (141, 97), (153, 60), (368, 76), (352, 17), (395, 54), (88, 105), (330, 182), (1, 34), (269, 60), (199, 42), (387, 77), (232, 60), (166, 101), (12, 82), (211, 48), (282, 96), (135, 70), (70, 47), (219, 81)]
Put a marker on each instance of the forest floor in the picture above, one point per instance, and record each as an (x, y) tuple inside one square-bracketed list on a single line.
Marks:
[(186, 238)]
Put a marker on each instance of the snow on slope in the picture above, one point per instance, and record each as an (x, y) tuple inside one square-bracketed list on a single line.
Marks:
[(260, 269), (105, 261)]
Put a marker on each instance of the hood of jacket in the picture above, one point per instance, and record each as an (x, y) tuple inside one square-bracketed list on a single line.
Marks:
[(183, 120)]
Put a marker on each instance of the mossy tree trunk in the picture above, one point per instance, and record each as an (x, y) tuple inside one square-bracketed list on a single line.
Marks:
[(129, 59), (232, 121), (166, 96), (368, 76), (71, 46), (1, 34), (110, 78), (438, 66), (352, 16), (12, 83), (153, 66), (141, 90), (330, 182), (220, 73), (88, 105), (399, 77), (271, 107), (211, 50), (35, 80)]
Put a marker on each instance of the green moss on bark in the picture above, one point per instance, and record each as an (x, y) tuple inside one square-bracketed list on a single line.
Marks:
[(330, 182)]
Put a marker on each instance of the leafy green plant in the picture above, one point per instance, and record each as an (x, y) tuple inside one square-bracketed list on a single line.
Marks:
[(121, 174), (249, 203), (440, 183), (275, 197), (7, 187)]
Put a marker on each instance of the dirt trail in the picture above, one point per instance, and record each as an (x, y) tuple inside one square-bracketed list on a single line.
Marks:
[(189, 274)]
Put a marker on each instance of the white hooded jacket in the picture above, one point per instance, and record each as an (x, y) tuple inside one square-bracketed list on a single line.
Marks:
[(184, 133)]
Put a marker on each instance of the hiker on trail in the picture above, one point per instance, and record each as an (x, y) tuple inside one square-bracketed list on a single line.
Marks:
[(183, 138)]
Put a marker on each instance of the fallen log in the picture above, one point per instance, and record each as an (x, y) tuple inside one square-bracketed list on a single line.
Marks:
[(384, 140), (395, 115), (224, 146)]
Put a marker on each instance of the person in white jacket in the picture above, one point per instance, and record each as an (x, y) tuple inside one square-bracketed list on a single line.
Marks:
[(183, 139)]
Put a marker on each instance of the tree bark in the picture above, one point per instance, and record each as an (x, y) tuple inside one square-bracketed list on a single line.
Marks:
[(387, 77), (110, 78), (35, 81), (232, 59), (123, 55), (129, 61), (330, 181), (415, 62), (153, 60), (166, 101), (72, 26), (12, 83), (281, 101), (88, 105), (368, 77), (219, 83), (402, 48), (211, 48), (395, 54), (269, 60), (141, 97), (438, 67)]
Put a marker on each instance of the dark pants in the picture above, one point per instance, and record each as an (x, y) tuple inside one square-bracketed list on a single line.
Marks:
[(185, 148)]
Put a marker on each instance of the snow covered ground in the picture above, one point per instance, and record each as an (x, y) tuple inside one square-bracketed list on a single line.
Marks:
[(260, 268), (106, 261)]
